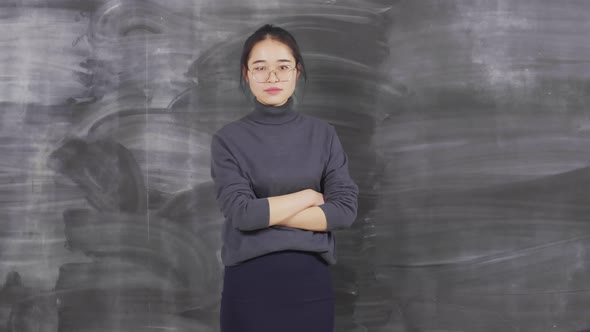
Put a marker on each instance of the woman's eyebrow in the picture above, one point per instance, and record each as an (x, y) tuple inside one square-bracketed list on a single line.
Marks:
[(279, 60)]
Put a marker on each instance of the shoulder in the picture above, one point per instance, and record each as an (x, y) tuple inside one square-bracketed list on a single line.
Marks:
[(229, 130), (318, 123)]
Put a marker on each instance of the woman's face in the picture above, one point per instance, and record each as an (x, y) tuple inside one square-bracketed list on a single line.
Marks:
[(272, 54)]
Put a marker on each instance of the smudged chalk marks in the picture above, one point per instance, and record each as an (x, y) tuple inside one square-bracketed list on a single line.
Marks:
[(465, 123)]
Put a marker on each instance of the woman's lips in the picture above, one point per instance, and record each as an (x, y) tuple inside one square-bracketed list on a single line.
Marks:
[(273, 91)]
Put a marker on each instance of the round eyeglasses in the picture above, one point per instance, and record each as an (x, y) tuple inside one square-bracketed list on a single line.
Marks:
[(261, 74)]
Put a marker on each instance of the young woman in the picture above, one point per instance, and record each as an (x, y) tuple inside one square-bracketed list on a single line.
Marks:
[(283, 185)]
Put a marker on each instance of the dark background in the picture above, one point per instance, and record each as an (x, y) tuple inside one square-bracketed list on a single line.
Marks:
[(466, 123)]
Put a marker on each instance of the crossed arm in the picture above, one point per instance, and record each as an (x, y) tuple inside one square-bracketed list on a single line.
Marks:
[(298, 210), (304, 209)]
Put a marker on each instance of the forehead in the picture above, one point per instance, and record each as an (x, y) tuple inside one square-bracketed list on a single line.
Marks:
[(270, 51)]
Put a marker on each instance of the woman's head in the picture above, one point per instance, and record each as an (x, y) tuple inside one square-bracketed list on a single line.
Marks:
[(271, 59)]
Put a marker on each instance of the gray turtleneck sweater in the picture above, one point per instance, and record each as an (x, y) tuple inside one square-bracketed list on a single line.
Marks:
[(273, 151)]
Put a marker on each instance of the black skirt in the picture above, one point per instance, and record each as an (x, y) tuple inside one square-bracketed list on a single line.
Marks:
[(282, 291)]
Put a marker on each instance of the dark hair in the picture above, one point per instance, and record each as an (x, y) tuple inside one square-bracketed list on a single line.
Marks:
[(269, 31)]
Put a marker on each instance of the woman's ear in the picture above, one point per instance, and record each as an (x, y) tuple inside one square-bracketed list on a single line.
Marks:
[(298, 70), (245, 75)]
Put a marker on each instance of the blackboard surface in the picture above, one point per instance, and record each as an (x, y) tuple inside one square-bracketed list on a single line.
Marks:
[(466, 124)]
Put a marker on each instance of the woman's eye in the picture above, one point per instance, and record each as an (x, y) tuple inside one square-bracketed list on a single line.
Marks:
[(260, 68)]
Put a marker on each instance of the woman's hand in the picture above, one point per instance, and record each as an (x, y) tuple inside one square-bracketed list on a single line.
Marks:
[(317, 198)]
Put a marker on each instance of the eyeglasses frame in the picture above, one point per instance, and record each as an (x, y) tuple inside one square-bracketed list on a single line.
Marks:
[(271, 71)]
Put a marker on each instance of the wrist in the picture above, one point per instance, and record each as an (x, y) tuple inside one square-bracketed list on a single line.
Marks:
[(310, 197)]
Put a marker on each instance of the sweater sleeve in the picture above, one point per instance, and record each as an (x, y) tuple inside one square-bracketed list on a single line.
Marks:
[(234, 193), (339, 190)]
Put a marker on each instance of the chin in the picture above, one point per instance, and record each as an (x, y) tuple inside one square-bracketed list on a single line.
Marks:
[(273, 100)]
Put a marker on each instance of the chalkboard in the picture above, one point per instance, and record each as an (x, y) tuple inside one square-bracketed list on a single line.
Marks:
[(466, 124)]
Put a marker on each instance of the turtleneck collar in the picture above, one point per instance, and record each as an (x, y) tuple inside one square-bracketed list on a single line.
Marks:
[(268, 114)]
